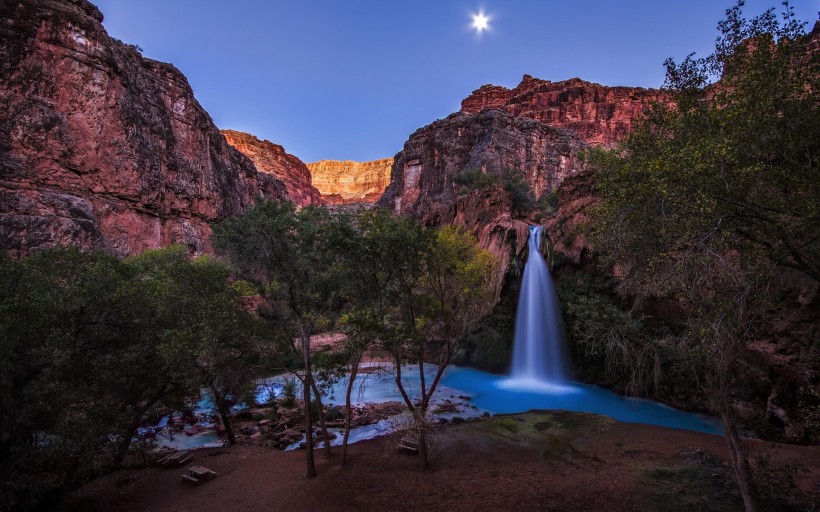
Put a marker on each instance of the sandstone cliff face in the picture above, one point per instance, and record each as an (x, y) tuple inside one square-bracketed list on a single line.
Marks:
[(567, 227), (102, 148), (493, 141), (272, 159), (487, 215), (347, 181), (600, 115)]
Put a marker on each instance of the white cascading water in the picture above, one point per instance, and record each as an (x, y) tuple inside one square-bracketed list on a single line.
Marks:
[(539, 359)]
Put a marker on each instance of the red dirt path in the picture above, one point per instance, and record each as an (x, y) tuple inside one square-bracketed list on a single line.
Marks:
[(538, 461)]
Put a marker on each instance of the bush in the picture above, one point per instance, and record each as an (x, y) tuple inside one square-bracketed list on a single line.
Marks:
[(517, 187), (289, 392), (244, 288), (611, 346), (333, 413), (548, 202), (474, 179)]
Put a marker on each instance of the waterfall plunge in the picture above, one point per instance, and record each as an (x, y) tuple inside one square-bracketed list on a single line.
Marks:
[(539, 359)]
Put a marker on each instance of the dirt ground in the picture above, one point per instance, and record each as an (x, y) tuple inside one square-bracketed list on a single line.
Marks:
[(539, 461)]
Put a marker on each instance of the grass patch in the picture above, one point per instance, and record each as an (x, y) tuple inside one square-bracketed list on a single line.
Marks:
[(691, 488)]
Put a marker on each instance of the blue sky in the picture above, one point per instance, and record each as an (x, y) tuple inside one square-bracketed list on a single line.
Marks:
[(351, 80)]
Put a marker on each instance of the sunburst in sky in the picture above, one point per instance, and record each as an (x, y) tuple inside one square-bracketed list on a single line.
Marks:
[(481, 22)]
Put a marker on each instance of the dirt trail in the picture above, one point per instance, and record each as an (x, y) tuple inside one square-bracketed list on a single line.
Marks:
[(534, 461)]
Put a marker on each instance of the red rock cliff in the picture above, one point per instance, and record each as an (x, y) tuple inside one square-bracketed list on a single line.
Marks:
[(492, 141), (272, 159), (600, 115), (102, 148), (346, 181)]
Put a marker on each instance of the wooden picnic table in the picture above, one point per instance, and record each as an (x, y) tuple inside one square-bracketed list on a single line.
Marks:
[(202, 473), (175, 459)]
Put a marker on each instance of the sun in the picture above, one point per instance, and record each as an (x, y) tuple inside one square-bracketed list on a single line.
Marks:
[(481, 22)]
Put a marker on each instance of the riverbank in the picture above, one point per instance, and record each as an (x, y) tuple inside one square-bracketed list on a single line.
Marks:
[(534, 461)]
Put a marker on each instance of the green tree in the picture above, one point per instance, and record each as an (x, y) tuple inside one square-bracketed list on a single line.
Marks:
[(379, 262), (717, 193), (90, 345), (445, 296), (285, 253), (204, 336)]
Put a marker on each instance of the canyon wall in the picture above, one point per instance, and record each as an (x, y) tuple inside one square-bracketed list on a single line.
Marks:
[(492, 141), (272, 159), (535, 130), (347, 181), (600, 115), (103, 148)]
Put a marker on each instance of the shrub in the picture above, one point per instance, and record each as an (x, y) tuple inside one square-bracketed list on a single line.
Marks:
[(289, 392), (333, 413), (474, 179), (244, 288), (517, 187)]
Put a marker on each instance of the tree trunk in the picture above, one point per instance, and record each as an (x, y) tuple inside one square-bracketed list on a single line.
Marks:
[(739, 463), (306, 385), (419, 414), (224, 416), (354, 370), (422, 426), (321, 417), (125, 443)]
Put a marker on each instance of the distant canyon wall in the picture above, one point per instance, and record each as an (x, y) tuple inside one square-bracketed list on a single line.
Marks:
[(347, 181), (270, 158), (103, 148), (491, 141)]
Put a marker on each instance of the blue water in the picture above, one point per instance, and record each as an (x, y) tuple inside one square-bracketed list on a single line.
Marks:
[(489, 393), (473, 392)]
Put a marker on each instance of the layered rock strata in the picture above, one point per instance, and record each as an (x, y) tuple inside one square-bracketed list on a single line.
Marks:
[(342, 182), (491, 141), (103, 148), (600, 115), (272, 159)]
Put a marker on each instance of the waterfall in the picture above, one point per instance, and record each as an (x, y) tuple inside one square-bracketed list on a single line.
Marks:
[(539, 358)]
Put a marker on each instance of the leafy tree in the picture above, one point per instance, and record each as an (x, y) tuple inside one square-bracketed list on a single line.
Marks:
[(206, 337), (285, 253), (91, 344), (414, 290), (445, 295), (54, 314), (378, 256), (717, 193)]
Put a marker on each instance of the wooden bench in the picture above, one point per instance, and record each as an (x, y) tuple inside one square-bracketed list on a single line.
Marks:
[(409, 444), (176, 459), (188, 479)]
